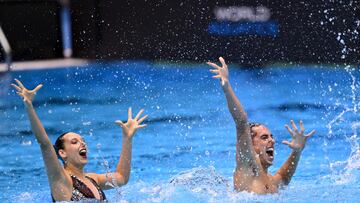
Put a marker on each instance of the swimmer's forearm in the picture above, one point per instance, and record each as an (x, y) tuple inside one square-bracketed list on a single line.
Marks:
[(245, 159), (234, 105), (289, 167), (124, 165), (37, 127), (54, 169)]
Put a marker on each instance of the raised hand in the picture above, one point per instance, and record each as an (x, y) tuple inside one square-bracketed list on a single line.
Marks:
[(25, 94), (222, 72), (298, 138), (130, 127)]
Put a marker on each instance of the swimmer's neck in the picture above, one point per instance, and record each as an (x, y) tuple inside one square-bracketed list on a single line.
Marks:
[(265, 168), (76, 171)]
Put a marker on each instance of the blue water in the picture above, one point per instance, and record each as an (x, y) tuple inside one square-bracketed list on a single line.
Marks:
[(187, 152)]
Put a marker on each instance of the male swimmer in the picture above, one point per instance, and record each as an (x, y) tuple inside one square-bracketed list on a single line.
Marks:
[(70, 182), (255, 145)]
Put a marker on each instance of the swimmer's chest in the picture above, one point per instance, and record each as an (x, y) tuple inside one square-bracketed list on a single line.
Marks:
[(261, 184)]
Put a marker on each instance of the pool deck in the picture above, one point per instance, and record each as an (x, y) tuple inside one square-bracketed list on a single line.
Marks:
[(45, 64)]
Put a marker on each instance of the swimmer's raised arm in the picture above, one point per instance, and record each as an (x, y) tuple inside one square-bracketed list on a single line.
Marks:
[(59, 182), (235, 108), (122, 174), (287, 170), (245, 157)]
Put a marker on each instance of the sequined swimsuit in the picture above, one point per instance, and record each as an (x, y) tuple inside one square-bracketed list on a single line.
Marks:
[(81, 191)]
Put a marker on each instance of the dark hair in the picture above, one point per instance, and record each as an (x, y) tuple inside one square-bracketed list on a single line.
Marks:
[(59, 144), (251, 125)]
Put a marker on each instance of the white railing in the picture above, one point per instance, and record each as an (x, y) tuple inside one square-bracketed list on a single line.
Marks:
[(7, 49)]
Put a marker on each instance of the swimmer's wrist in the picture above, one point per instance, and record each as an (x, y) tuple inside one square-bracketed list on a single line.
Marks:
[(29, 105), (127, 137), (225, 83), (298, 150)]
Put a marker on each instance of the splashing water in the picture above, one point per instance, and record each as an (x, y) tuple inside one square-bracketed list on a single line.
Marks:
[(200, 184), (195, 185), (211, 183), (111, 181), (343, 172)]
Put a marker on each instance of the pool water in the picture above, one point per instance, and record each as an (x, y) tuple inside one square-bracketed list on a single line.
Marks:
[(187, 151)]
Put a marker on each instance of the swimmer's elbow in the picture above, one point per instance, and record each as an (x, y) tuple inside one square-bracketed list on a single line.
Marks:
[(281, 180), (240, 122), (126, 180), (123, 180), (285, 181)]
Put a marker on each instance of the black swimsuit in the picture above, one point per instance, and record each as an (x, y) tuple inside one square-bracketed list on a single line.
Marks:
[(81, 191)]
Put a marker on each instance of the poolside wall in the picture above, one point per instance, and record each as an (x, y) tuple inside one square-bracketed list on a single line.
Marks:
[(246, 32)]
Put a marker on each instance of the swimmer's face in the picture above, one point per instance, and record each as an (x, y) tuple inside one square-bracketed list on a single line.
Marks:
[(263, 143), (75, 150)]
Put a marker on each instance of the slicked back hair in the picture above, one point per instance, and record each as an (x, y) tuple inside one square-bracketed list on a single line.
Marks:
[(251, 126), (59, 144)]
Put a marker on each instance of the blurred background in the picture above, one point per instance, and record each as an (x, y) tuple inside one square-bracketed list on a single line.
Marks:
[(251, 33)]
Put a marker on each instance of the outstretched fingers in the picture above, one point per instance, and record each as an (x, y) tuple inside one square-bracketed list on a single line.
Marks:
[(120, 123), (215, 71), (294, 126), (129, 113), (139, 114), (310, 134), (20, 87), (222, 61), (213, 65), (19, 83), (290, 131), (19, 91), (142, 126), (16, 87), (142, 119), (301, 127), (286, 142), (36, 89)]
